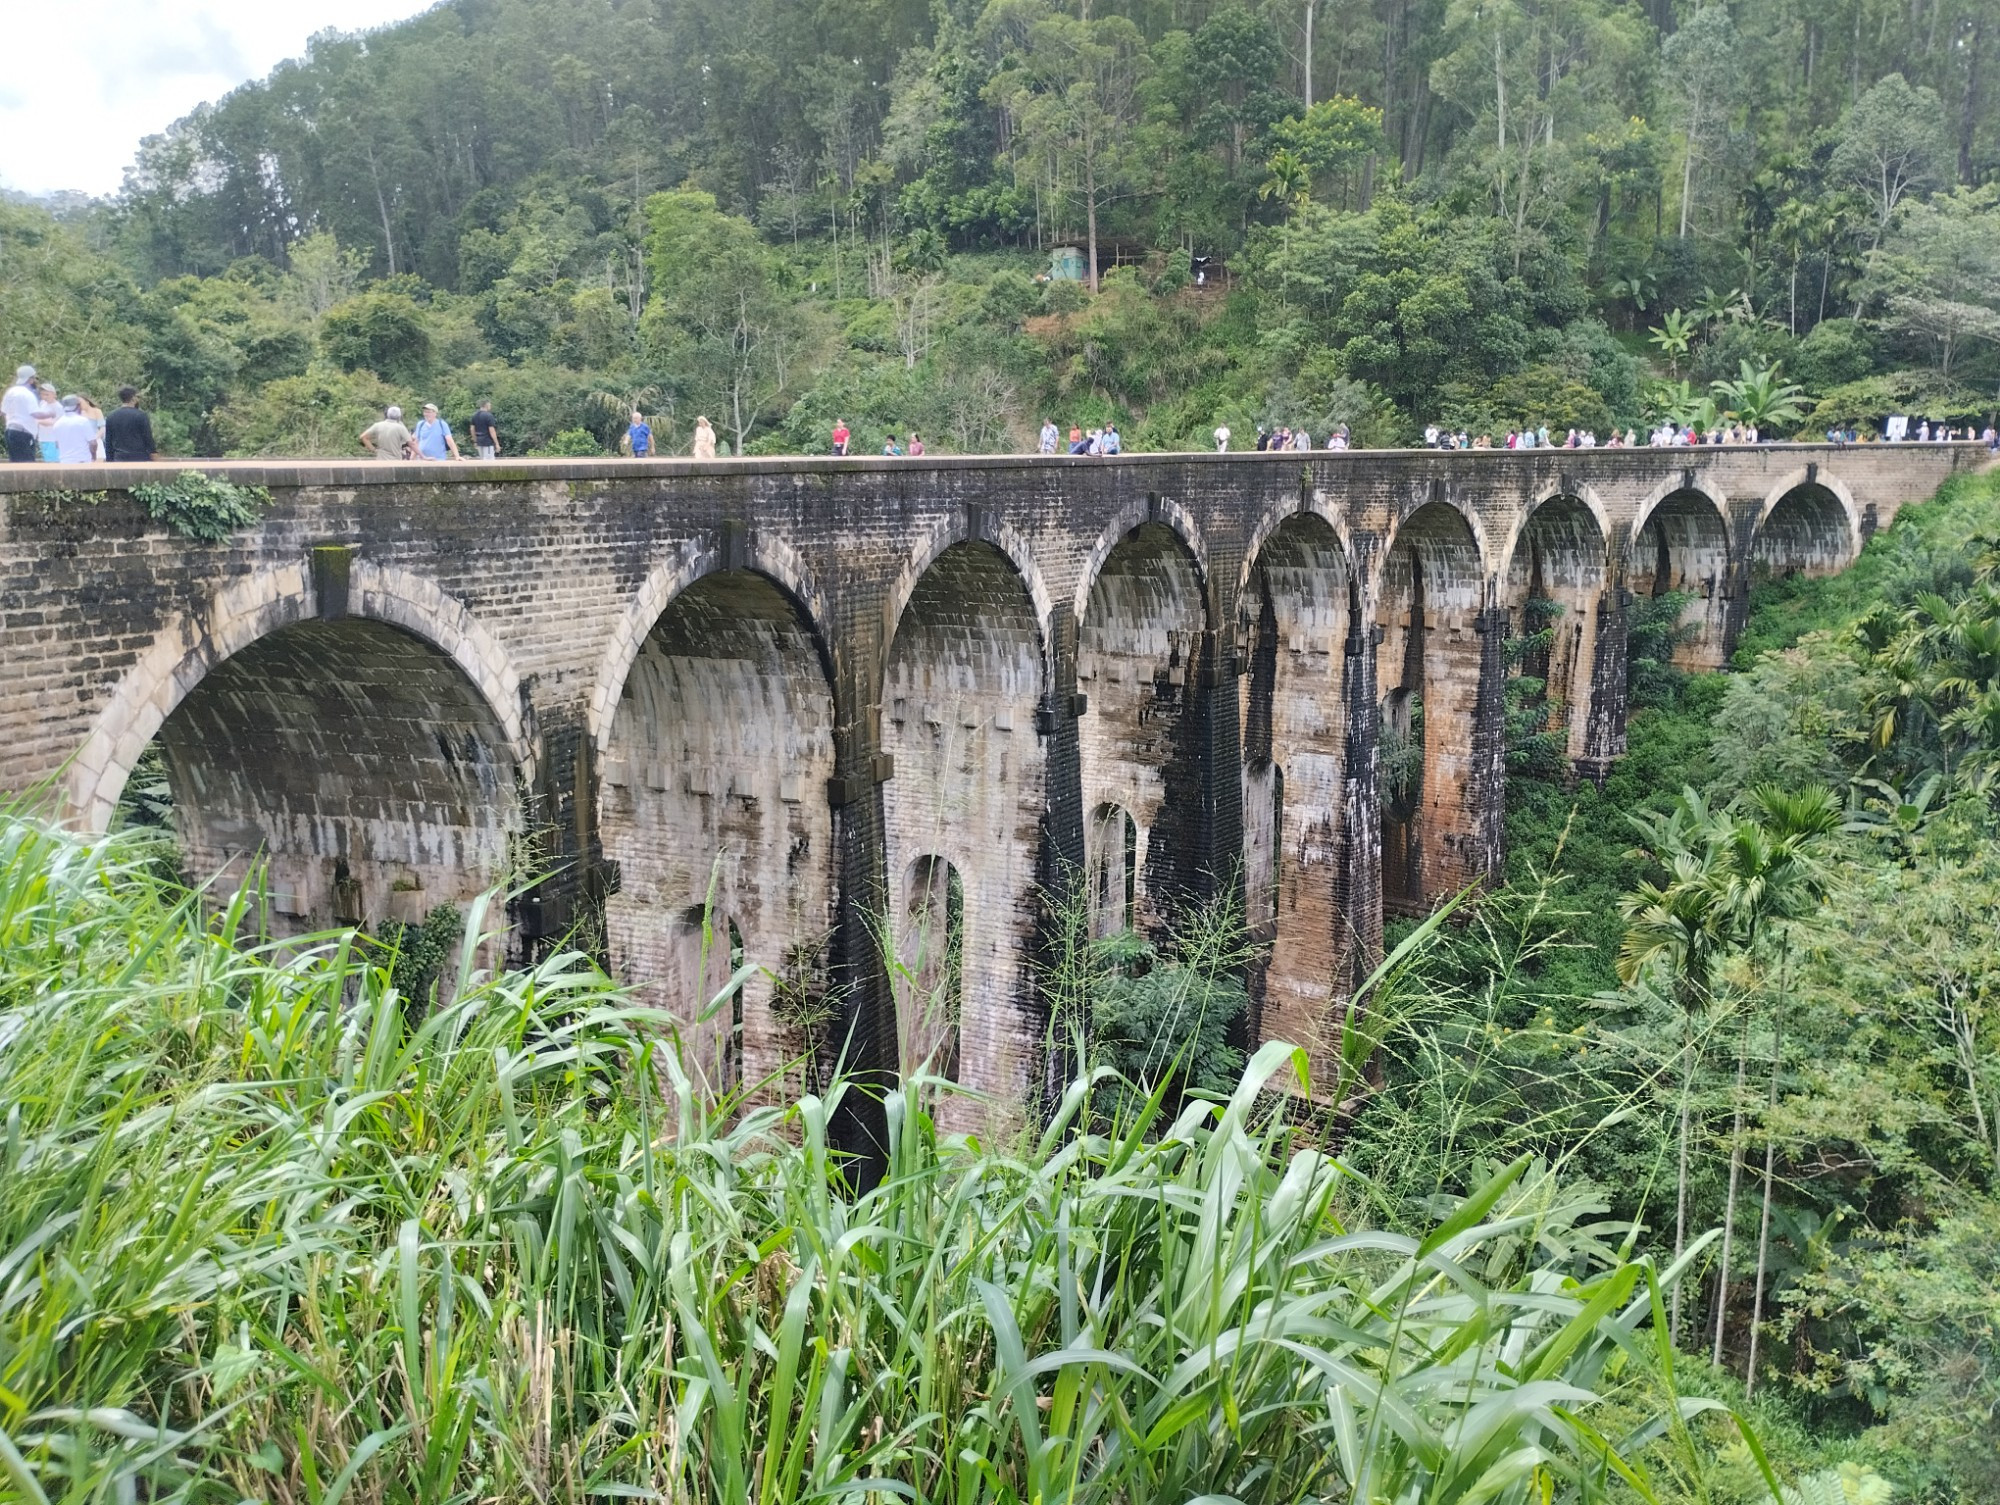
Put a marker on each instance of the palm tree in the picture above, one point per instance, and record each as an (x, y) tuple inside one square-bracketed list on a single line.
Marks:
[(1767, 873), (1675, 929)]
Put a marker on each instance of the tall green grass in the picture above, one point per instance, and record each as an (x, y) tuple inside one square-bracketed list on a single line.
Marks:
[(263, 1237)]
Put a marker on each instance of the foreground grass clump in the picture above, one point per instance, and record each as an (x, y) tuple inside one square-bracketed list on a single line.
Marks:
[(260, 1239)]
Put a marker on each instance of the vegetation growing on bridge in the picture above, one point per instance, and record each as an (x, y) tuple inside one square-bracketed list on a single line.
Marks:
[(781, 214)]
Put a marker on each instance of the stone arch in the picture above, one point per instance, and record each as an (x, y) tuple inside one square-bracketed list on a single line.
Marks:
[(1552, 585), (1420, 521), (950, 533), (1301, 599), (1578, 495), (1807, 525), (713, 797), (1139, 644), (1429, 596), (1680, 543), (1159, 511), (964, 678), (1111, 854), (1317, 505), (930, 973), (190, 646), (374, 762), (1689, 481), (704, 949), (681, 567)]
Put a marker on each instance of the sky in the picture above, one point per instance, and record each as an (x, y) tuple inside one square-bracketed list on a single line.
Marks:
[(77, 95)]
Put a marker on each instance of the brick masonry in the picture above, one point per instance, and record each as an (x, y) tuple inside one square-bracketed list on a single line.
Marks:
[(843, 717)]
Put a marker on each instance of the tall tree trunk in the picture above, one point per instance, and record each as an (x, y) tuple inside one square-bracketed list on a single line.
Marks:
[(1090, 210), (1500, 119), (382, 205), (1687, 165), (1735, 1179), (1770, 1162), (1968, 114), (1681, 1176), (1311, 6)]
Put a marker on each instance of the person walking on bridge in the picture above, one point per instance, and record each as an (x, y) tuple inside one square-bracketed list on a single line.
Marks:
[(704, 439), (639, 436), (485, 432)]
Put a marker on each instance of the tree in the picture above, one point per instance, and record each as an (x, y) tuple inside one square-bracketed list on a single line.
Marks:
[(1676, 928), (716, 318), (1939, 272), (1891, 142), (1703, 63), (1074, 96), (379, 331), (322, 273), (1333, 138), (1534, 77), (1769, 873)]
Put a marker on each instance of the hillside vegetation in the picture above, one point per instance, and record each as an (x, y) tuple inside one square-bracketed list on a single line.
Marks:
[(779, 213)]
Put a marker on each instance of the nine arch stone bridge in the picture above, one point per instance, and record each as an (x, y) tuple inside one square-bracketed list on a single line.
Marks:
[(858, 719)]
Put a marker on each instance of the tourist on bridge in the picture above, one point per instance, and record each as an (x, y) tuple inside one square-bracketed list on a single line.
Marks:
[(704, 440), (433, 436), (1222, 438), (841, 435), (638, 436), (389, 439), (1051, 437), (24, 433), (75, 434), (485, 432), (48, 408), (128, 430)]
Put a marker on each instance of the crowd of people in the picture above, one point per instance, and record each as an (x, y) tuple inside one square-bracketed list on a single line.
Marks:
[(41, 426), (71, 430)]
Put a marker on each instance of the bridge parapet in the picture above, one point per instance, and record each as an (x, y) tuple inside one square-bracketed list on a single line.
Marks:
[(856, 719)]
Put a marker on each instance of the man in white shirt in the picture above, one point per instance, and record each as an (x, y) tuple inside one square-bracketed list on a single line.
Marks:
[(24, 437), (1222, 438), (75, 435), (1050, 437)]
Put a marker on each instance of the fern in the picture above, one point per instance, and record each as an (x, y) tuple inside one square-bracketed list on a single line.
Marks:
[(1850, 1484)]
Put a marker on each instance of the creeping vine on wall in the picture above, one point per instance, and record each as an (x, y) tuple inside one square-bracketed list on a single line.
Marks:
[(202, 507)]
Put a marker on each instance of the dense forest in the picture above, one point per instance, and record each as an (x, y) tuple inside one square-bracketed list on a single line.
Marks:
[(781, 212)]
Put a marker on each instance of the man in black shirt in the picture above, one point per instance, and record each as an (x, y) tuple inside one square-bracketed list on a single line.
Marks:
[(128, 430), (485, 432)]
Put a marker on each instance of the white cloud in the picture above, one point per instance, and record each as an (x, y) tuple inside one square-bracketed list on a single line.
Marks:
[(81, 93)]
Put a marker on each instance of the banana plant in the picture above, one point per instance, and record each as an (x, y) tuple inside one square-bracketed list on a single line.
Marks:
[(1761, 396)]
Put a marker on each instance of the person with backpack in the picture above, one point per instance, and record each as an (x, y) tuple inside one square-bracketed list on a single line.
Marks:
[(432, 436)]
